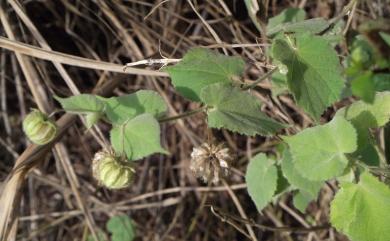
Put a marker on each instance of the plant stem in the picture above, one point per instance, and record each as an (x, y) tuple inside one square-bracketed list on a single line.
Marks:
[(182, 115), (254, 84)]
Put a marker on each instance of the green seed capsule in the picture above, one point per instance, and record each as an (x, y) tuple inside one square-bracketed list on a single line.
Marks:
[(111, 172), (38, 128)]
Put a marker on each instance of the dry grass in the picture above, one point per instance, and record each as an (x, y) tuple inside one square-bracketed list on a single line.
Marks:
[(47, 193)]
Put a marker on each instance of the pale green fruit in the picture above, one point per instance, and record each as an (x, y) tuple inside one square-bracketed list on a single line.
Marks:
[(38, 128), (111, 172)]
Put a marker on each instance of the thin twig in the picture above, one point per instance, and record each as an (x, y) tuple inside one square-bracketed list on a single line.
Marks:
[(227, 216)]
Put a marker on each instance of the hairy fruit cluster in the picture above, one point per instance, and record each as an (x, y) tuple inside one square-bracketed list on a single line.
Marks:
[(39, 128), (209, 162), (111, 172)]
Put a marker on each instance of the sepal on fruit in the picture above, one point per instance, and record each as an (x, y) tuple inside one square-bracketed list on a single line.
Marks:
[(39, 128), (110, 171)]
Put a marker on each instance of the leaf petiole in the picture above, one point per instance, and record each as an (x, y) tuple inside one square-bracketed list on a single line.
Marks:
[(255, 83), (182, 115)]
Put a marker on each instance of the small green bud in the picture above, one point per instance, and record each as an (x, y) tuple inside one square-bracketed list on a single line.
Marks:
[(38, 128), (111, 172)]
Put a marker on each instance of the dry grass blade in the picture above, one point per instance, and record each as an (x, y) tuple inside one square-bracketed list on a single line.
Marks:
[(68, 59)]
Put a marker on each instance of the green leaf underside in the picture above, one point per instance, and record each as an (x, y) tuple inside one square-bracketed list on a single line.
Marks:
[(287, 15), (92, 118), (314, 25), (314, 75), (237, 111), (83, 103), (296, 179), (364, 116), (138, 137), (202, 67), (319, 152), (261, 179), (362, 210), (123, 108), (121, 228)]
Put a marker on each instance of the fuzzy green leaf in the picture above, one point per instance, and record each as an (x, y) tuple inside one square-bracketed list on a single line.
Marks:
[(279, 83), (319, 152), (202, 67), (314, 73), (287, 15), (138, 137), (314, 25), (362, 210), (301, 200), (83, 103), (236, 110), (363, 86), (364, 116), (296, 179), (372, 115), (122, 108), (261, 178), (121, 228)]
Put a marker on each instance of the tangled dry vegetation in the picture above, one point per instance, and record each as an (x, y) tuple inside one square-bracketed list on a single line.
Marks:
[(53, 196)]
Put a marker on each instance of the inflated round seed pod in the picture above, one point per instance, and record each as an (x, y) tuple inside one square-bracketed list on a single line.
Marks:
[(111, 172), (38, 128)]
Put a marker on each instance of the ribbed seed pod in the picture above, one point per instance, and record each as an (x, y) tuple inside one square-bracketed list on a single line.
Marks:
[(209, 162), (38, 128), (110, 172)]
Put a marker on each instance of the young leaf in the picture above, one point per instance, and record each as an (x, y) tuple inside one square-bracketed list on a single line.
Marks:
[(314, 75), (121, 228), (138, 137), (314, 25), (319, 152), (236, 110), (84, 103), (202, 67), (122, 108), (362, 210), (261, 178), (296, 179)]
